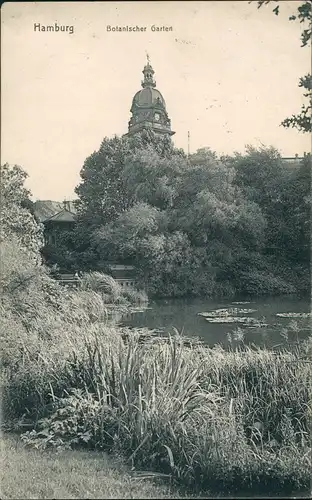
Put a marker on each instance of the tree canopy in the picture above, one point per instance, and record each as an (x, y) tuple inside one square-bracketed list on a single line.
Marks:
[(189, 223)]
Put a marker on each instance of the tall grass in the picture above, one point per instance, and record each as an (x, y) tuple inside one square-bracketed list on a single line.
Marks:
[(110, 290), (209, 418)]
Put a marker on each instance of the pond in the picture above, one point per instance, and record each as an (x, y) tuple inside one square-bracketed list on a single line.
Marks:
[(226, 321)]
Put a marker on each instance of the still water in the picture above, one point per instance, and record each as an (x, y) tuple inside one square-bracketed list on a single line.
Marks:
[(263, 327)]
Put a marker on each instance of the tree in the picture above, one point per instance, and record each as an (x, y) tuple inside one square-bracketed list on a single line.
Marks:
[(188, 224), (303, 13), (122, 173), (282, 192), (21, 238), (104, 192), (211, 206), (302, 121), (16, 218), (260, 172), (296, 215), (151, 178), (121, 238), (102, 195)]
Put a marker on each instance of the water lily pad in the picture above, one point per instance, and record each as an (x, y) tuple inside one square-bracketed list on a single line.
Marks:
[(255, 323), (137, 309), (294, 315), (225, 319), (231, 311), (246, 321), (246, 311)]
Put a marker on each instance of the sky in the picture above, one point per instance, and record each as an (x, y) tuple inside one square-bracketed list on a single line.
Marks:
[(228, 72)]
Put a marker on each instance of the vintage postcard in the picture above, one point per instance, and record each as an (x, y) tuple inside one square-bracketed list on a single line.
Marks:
[(155, 249)]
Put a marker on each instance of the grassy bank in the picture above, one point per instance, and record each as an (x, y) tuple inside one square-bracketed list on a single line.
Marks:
[(74, 387), (211, 420), (29, 473)]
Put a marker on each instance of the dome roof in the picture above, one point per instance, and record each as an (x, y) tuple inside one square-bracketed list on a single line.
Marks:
[(148, 96), (149, 107)]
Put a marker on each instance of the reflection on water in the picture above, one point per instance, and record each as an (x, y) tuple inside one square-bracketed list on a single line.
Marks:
[(262, 325)]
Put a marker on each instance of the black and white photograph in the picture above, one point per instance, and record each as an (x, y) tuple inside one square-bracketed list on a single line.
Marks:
[(155, 198)]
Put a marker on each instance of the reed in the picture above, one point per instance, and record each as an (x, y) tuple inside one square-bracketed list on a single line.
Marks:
[(207, 417)]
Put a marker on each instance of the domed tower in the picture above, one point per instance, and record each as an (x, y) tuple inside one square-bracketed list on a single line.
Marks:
[(148, 107)]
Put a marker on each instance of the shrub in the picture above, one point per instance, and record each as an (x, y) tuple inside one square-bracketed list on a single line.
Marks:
[(133, 296), (110, 289), (263, 283), (101, 283), (208, 417)]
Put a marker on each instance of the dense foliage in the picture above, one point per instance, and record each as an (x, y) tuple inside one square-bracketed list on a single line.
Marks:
[(197, 225), (207, 418), (33, 306), (16, 219)]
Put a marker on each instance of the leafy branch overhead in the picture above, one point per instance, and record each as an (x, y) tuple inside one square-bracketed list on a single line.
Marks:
[(303, 14), (302, 121)]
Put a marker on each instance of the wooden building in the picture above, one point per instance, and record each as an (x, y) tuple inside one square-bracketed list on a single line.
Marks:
[(56, 218)]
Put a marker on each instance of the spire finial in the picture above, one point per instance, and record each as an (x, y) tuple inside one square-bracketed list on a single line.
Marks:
[(148, 73)]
